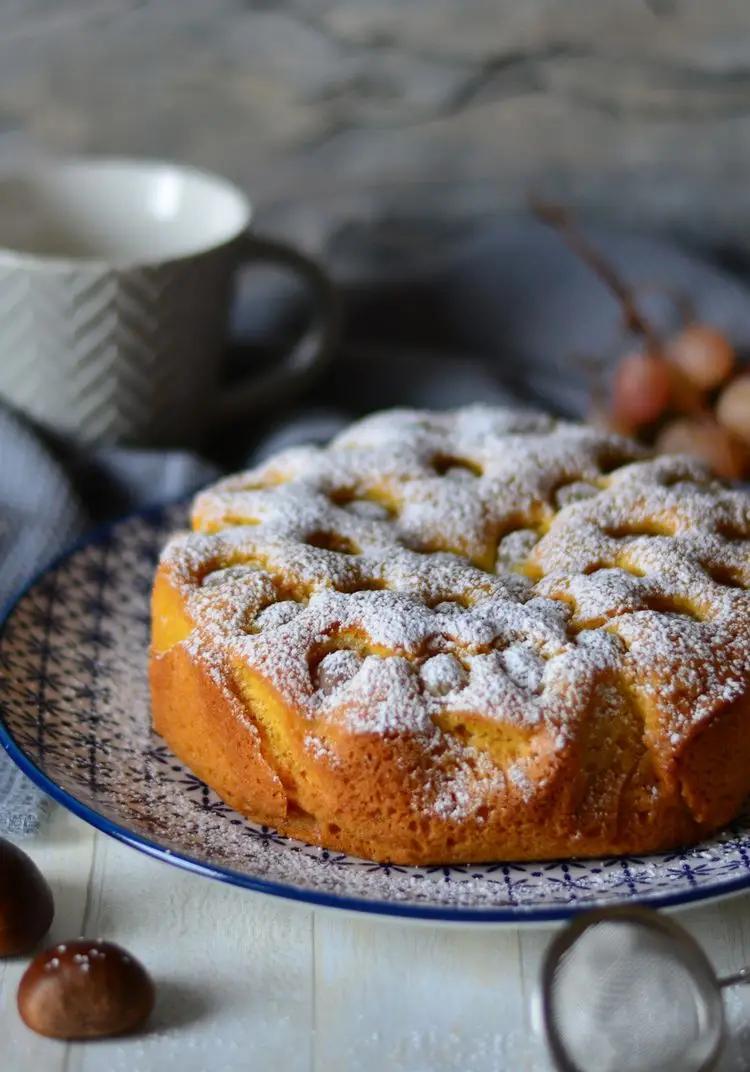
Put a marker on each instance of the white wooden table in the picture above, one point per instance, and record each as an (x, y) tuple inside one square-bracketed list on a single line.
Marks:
[(247, 983)]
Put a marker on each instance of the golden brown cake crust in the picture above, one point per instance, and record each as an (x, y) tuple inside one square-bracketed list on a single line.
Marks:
[(463, 636)]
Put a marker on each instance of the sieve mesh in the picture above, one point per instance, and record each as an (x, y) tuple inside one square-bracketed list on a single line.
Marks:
[(625, 997)]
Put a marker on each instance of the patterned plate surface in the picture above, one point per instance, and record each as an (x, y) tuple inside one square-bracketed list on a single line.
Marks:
[(76, 719)]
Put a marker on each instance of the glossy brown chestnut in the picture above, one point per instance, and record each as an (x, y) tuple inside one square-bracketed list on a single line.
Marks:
[(85, 989), (26, 905)]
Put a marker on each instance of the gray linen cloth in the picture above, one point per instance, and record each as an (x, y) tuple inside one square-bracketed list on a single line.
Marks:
[(512, 290), (42, 512)]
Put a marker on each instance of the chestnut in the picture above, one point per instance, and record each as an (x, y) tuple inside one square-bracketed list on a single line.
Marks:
[(85, 989), (26, 905)]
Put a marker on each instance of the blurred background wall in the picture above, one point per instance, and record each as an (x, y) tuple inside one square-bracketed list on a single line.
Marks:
[(633, 108)]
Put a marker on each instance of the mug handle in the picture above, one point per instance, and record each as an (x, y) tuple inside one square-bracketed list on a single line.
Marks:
[(313, 349)]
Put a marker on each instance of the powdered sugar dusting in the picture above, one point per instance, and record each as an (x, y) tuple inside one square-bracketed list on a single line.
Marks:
[(503, 562), (443, 674)]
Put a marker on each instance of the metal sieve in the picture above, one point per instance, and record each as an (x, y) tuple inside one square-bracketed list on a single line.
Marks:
[(628, 990)]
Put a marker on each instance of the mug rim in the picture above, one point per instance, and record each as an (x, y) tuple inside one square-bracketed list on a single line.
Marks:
[(10, 257)]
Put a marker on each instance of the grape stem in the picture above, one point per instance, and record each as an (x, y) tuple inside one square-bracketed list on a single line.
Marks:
[(561, 221)]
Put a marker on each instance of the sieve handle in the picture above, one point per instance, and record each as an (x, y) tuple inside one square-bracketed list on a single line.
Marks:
[(737, 978)]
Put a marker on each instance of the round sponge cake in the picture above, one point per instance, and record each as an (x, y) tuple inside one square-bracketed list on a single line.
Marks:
[(472, 635)]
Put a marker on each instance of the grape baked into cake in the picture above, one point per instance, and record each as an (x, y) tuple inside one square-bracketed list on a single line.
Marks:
[(463, 636)]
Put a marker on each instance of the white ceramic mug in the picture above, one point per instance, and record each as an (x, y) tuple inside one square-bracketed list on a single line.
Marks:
[(115, 281)]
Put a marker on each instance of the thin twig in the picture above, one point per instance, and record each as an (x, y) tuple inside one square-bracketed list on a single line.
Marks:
[(561, 221)]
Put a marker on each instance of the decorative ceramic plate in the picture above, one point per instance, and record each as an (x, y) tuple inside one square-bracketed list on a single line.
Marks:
[(75, 710)]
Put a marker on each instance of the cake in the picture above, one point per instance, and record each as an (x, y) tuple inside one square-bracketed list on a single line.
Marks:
[(463, 636)]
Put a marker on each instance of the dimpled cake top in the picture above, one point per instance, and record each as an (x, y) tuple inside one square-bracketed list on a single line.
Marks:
[(481, 560)]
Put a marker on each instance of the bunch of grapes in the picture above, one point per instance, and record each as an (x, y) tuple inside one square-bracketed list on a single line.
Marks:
[(690, 397), (683, 394)]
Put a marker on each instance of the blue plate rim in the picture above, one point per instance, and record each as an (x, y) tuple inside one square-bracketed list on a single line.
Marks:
[(514, 915)]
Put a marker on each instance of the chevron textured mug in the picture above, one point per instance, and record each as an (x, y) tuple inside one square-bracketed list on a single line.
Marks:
[(115, 282)]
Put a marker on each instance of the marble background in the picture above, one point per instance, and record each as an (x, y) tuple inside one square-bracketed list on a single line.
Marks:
[(636, 109)]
